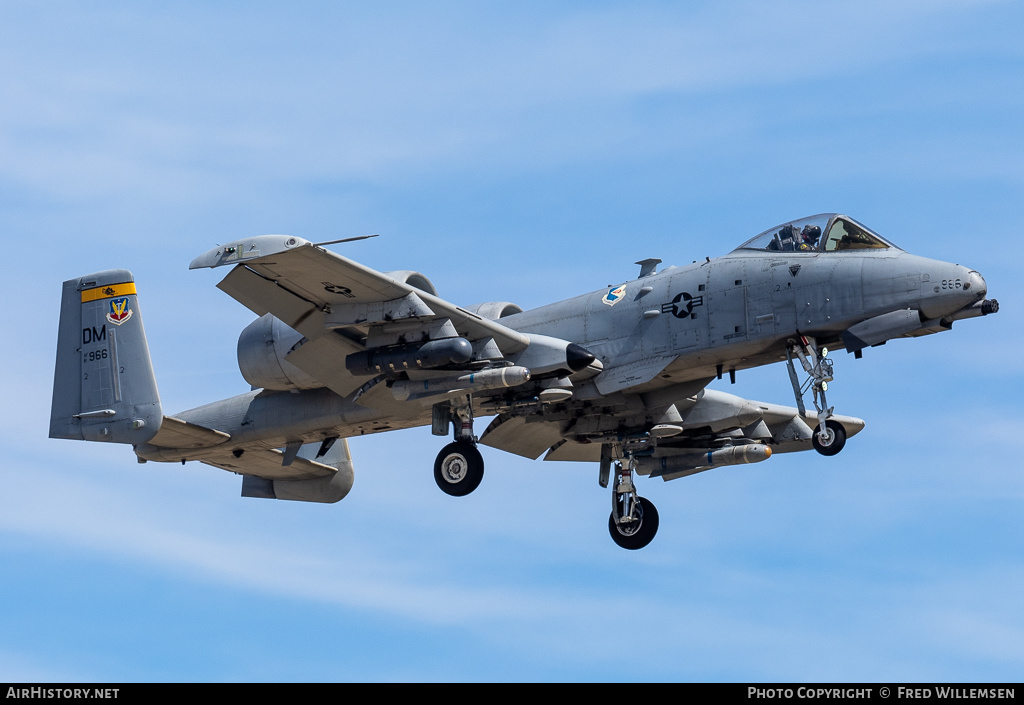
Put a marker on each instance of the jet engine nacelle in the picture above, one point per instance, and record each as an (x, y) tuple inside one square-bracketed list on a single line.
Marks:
[(495, 309), (262, 347), (413, 279)]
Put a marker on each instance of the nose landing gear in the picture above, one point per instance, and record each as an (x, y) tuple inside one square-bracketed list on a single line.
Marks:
[(830, 437), (832, 441)]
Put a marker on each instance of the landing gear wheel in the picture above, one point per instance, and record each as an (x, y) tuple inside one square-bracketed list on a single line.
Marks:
[(639, 533), (459, 468), (836, 438)]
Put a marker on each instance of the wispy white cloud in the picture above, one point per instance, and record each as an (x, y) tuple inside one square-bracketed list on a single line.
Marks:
[(392, 95)]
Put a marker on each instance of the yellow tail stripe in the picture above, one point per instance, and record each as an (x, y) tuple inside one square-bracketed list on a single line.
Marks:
[(108, 292)]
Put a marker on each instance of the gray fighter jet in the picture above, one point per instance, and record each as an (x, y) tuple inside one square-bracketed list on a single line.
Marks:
[(616, 377)]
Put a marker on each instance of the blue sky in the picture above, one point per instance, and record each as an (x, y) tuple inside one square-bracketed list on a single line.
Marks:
[(523, 152)]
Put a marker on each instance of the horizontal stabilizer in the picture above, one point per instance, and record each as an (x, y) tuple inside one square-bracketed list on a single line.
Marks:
[(175, 433), (268, 464)]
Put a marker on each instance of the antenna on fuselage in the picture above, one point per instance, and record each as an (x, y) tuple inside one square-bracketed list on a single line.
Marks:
[(648, 266)]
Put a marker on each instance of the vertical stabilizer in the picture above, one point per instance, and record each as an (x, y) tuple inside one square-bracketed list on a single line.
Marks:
[(103, 384)]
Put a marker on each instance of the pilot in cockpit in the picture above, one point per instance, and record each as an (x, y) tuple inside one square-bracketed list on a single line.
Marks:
[(809, 238)]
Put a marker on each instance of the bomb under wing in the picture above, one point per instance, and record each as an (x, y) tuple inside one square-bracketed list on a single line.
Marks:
[(433, 387), (687, 463)]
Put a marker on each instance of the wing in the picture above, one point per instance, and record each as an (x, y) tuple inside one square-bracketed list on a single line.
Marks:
[(342, 307), (698, 431)]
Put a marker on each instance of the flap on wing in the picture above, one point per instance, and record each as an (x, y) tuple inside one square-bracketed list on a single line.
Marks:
[(262, 296), (514, 435), (576, 452), (269, 464), (175, 433), (632, 374)]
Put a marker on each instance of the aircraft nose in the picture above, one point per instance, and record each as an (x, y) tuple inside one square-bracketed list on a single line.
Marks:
[(975, 283), (952, 287)]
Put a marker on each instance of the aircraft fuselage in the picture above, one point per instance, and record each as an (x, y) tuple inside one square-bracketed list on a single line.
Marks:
[(616, 377), (701, 320)]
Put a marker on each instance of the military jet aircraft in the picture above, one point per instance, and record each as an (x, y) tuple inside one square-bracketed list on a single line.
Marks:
[(616, 377)]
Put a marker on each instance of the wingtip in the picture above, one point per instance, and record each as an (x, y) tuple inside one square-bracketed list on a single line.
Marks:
[(246, 249)]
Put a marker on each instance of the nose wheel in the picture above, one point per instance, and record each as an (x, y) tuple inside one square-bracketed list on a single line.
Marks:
[(832, 440)]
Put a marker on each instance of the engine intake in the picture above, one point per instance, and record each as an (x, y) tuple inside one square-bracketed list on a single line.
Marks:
[(495, 309)]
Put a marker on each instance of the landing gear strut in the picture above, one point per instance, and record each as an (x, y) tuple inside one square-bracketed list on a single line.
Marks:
[(459, 467), (634, 520), (830, 437)]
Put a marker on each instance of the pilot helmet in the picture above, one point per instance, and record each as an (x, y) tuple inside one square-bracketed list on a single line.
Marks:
[(811, 233)]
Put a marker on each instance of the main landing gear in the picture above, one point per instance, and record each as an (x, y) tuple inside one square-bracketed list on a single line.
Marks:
[(830, 437), (634, 520), (459, 467)]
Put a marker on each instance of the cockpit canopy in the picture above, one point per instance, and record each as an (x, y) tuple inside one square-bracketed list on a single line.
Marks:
[(827, 232)]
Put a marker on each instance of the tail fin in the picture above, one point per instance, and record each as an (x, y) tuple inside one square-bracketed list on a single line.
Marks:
[(104, 388)]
